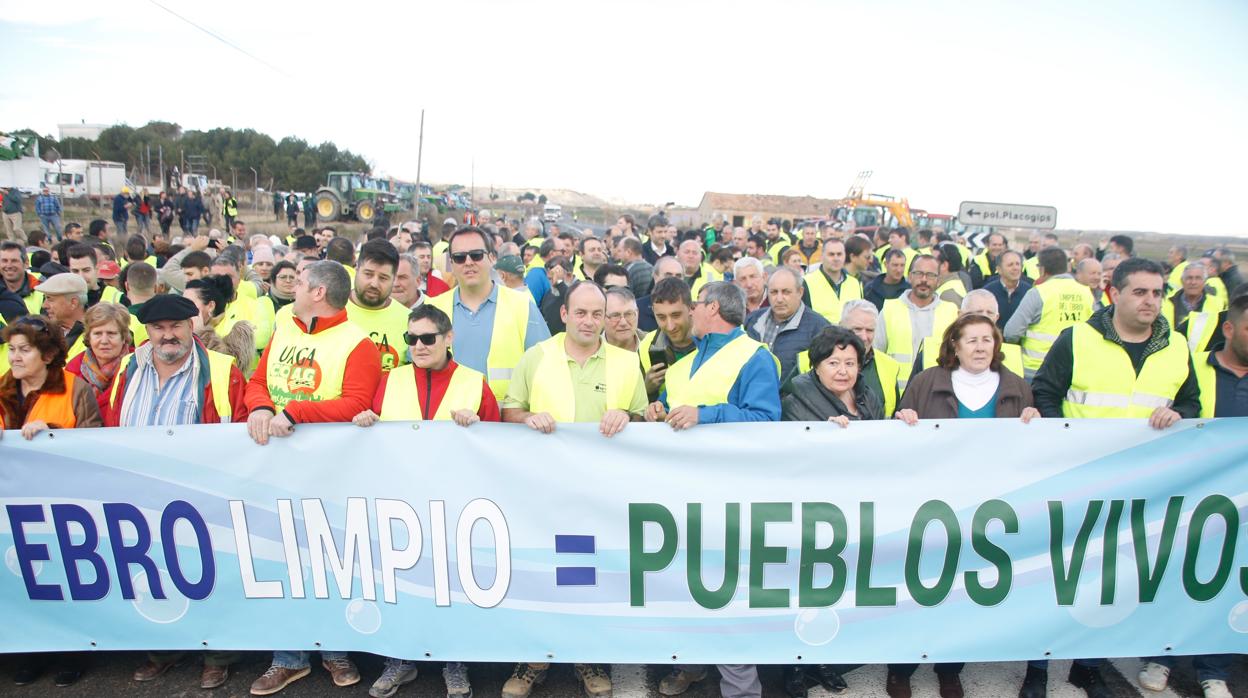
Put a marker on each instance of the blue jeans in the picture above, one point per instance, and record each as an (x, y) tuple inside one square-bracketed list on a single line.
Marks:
[(51, 225), (120, 224), (1215, 667), (298, 659)]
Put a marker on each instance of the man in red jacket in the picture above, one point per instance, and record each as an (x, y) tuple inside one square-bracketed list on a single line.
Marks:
[(319, 367)]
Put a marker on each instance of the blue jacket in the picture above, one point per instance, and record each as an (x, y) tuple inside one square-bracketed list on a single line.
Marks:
[(1006, 304), (538, 283), (790, 340), (754, 396)]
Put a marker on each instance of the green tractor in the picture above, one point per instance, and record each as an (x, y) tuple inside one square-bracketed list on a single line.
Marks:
[(352, 195)]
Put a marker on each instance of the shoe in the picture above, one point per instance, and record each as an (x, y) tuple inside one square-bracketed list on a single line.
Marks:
[(950, 685), (150, 670), (67, 677), (1090, 680), (342, 671), (897, 686), (395, 674), (455, 674), (523, 678), (680, 680), (1154, 676), (213, 676), (795, 682), (594, 680), (277, 678), (831, 679), (1035, 683), (27, 674), (1215, 688)]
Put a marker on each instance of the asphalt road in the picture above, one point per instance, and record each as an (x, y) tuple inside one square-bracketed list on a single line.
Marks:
[(109, 675)]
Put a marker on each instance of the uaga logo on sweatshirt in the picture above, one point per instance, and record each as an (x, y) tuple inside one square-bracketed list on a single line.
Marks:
[(298, 366), (389, 355)]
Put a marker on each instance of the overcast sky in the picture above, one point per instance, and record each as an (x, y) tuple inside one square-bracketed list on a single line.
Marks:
[(1124, 115)]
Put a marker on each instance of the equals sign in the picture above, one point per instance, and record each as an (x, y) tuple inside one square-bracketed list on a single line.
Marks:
[(575, 576)]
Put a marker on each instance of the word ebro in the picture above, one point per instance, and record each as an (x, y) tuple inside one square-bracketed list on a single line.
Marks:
[(983, 589), (78, 542)]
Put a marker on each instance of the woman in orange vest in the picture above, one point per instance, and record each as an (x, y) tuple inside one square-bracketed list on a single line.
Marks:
[(37, 392)]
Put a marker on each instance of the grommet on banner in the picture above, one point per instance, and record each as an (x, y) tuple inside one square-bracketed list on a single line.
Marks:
[(1200, 425), (428, 654), (317, 644), (1169, 648), (936, 425), (807, 428), (550, 655), (673, 657), (1048, 653), (1066, 425), (169, 433), (51, 435), (415, 426), (93, 643), (799, 657)]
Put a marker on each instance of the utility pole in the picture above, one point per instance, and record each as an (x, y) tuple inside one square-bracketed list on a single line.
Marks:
[(255, 190), (420, 153), (160, 154)]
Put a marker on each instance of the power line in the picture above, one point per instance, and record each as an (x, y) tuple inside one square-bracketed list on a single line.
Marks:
[(223, 40)]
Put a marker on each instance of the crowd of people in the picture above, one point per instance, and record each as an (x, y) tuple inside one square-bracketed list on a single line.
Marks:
[(532, 324)]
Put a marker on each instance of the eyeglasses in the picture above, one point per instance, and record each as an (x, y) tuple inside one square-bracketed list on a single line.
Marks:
[(925, 274), (34, 321), (461, 257), (427, 339), (616, 317)]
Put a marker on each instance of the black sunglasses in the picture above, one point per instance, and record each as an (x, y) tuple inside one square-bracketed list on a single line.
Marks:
[(34, 321), (461, 257), (426, 339)]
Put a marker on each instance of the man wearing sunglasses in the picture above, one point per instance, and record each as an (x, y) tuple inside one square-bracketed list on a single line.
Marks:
[(574, 376), (493, 325)]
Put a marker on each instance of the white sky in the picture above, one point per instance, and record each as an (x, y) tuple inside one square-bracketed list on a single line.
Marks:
[(1123, 115)]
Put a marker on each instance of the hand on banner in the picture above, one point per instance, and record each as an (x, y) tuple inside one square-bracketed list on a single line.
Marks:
[(30, 429), (840, 420), (465, 418), (542, 421), (367, 418), (258, 426), (1162, 418), (281, 426), (683, 417), (613, 422), (1029, 413), (656, 412), (908, 416)]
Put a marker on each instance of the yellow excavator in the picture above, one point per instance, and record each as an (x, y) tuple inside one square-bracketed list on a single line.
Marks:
[(865, 213)]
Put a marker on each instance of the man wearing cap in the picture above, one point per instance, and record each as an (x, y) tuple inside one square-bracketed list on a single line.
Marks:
[(107, 273), (510, 270), (65, 302), (319, 367)]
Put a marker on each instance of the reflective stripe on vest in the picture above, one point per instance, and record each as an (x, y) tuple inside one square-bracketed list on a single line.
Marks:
[(1104, 384), (552, 391), (823, 296), (1200, 327), (901, 343), (1207, 380), (715, 377), (511, 323), (304, 366), (1066, 303), (401, 401)]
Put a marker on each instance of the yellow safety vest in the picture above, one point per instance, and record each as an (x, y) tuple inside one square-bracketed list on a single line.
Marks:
[(1200, 329), (34, 302), (985, 267), (110, 295), (908, 252), (1103, 383), (151, 259), (79, 346), (1031, 267), (886, 370), (259, 312), (1219, 288), (511, 323), (401, 401), (1066, 303), (1207, 380), (385, 326), (1175, 280), (965, 253), (776, 248), (551, 390), (705, 276), (953, 284), (304, 366), (1213, 304), (825, 300), (219, 366), (138, 331), (900, 340), (715, 377)]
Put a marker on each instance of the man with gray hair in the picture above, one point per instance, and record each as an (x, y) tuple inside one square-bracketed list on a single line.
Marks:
[(750, 276), (786, 326), (742, 386), (319, 367), (1088, 273), (879, 370), (620, 329)]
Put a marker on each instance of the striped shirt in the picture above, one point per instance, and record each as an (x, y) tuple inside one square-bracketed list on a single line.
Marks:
[(153, 404)]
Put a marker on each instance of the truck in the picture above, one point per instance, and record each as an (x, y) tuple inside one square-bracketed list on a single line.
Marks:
[(552, 213), (20, 164), (92, 179)]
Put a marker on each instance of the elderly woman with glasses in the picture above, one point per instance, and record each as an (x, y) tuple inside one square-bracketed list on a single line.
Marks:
[(37, 393)]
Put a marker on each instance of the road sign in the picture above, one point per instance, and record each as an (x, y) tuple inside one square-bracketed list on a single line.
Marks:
[(1007, 215)]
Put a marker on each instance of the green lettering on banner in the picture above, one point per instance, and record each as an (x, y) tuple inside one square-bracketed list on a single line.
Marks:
[(808, 596), (938, 511), (1066, 580), (762, 554), (1109, 553), (1150, 576), (989, 511), (717, 598), (1209, 507), (864, 593), (639, 561)]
